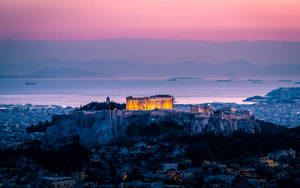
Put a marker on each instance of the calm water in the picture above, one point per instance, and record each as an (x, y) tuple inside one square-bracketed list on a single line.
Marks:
[(75, 92)]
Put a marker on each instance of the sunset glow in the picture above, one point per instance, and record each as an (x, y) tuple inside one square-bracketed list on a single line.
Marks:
[(212, 20)]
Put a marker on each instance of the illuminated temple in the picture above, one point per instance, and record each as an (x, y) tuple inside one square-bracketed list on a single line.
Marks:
[(150, 103)]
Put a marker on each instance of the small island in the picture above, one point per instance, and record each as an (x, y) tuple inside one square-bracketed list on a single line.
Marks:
[(284, 80), (30, 83), (174, 79), (224, 80)]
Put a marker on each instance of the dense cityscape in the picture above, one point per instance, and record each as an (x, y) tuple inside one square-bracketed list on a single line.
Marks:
[(189, 146), (149, 94)]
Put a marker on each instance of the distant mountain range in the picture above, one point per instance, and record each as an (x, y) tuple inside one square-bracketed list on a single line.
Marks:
[(153, 51), (59, 73), (61, 68), (151, 57)]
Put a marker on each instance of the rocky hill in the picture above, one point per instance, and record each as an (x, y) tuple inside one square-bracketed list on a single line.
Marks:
[(102, 127)]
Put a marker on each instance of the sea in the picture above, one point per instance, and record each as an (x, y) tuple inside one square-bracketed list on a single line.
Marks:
[(79, 91)]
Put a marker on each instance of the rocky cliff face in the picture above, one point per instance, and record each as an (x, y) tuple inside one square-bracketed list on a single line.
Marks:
[(93, 129), (225, 127), (102, 127)]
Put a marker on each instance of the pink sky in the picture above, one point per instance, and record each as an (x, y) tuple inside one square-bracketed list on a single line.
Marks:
[(211, 20)]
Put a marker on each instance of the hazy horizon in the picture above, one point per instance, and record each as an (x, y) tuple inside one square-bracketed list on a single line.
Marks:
[(154, 51)]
